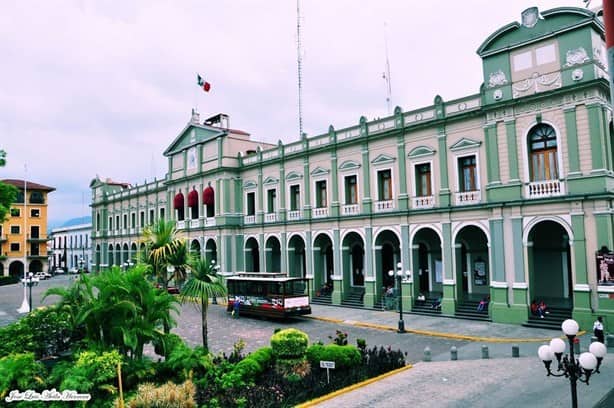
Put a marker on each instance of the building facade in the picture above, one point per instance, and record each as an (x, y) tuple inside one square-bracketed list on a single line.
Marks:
[(70, 246), (505, 193), (23, 235)]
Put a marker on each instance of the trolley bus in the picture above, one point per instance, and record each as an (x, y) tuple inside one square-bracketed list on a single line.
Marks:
[(268, 294)]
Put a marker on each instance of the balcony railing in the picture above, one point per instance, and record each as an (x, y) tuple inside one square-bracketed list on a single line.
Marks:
[(468, 197), (249, 219), (3, 238), (270, 217), (384, 206), (195, 223), (181, 224), (210, 222), (350, 209), (320, 212), (423, 202), (545, 188), (294, 215)]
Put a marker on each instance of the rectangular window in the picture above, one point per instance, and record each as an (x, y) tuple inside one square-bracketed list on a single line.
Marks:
[(117, 224), (151, 216), (35, 213), (384, 180), (161, 213), (125, 221), (423, 180), (132, 220), (14, 229), (523, 61), (35, 232), (14, 246), (467, 174), (351, 190), (110, 223), (321, 194), (271, 197), (545, 55), (142, 218), (251, 203), (15, 212), (295, 197)]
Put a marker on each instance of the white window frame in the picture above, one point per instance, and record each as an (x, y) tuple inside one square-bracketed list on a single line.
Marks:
[(275, 201), (414, 164), (245, 206), (375, 175), (289, 190), (466, 153), (344, 177), (315, 191), (525, 151)]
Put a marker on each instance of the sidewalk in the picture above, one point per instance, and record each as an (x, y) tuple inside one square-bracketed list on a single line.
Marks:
[(440, 326), (472, 381)]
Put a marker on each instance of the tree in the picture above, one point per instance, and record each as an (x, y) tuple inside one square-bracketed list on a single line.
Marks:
[(162, 245), (8, 193), (120, 310), (202, 284)]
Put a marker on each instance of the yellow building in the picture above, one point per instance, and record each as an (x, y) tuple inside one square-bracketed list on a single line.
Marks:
[(23, 235)]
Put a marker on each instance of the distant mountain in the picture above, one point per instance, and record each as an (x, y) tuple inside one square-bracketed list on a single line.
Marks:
[(77, 221)]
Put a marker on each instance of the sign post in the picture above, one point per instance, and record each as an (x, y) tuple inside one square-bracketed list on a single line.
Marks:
[(328, 365)]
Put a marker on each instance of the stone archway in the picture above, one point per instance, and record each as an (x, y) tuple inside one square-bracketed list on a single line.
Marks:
[(353, 260), (323, 261), (16, 269), (471, 263), (272, 252), (427, 262), (111, 256), (195, 247), (252, 255), (211, 250), (297, 260), (550, 268), (387, 255), (35, 266)]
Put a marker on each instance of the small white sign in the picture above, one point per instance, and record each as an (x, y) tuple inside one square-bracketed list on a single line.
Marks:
[(327, 364)]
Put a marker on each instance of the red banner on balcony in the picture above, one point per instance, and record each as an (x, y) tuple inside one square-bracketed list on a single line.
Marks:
[(178, 201), (193, 199), (208, 196)]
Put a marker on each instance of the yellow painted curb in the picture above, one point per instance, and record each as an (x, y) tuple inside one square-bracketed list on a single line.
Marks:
[(438, 334), (351, 387)]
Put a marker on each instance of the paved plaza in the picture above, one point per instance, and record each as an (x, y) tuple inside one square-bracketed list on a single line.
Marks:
[(472, 381)]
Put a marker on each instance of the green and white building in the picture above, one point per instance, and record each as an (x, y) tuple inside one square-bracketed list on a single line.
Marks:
[(507, 192)]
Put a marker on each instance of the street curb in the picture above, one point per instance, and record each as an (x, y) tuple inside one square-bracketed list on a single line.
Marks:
[(436, 334), (352, 387)]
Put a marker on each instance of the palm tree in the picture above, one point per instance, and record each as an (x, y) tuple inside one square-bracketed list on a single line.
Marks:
[(202, 284), (161, 245)]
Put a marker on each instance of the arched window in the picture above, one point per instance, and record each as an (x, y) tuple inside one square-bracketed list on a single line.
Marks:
[(178, 206), (543, 163), (193, 203), (209, 200)]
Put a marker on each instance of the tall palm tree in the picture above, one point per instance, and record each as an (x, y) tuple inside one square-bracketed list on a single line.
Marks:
[(161, 244), (202, 284)]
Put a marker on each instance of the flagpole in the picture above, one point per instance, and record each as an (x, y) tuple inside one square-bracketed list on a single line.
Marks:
[(25, 306)]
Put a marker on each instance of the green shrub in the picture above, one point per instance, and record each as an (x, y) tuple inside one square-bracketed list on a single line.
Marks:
[(289, 344), (92, 372), (343, 356), (20, 372), (8, 280), (263, 356)]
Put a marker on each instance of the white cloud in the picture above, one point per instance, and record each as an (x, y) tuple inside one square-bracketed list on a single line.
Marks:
[(102, 87)]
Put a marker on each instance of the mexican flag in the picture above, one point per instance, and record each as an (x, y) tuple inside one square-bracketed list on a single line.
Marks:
[(202, 83)]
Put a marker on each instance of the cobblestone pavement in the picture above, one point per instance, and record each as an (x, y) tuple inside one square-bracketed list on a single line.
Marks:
[(499, 381)]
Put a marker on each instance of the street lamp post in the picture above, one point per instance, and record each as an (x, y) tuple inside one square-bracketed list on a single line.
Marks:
[(399, 277), (575, 369)]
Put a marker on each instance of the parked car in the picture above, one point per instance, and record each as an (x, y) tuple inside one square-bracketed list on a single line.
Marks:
[(73, 270), (58, 271), (42, 275)]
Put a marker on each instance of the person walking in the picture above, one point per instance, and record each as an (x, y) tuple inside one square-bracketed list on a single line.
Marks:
[(236, 306), (598, 329)]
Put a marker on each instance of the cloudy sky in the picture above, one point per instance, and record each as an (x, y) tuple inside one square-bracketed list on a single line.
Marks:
[(101, 87)]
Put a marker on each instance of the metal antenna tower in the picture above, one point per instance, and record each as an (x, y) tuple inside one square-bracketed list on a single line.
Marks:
[(300, 76), (386, 75)]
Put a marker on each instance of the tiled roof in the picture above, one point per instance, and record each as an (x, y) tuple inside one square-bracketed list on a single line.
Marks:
[(29, 185)]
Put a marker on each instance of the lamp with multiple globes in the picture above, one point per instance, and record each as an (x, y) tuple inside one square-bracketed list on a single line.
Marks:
[(579, 369), (399, 276)]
